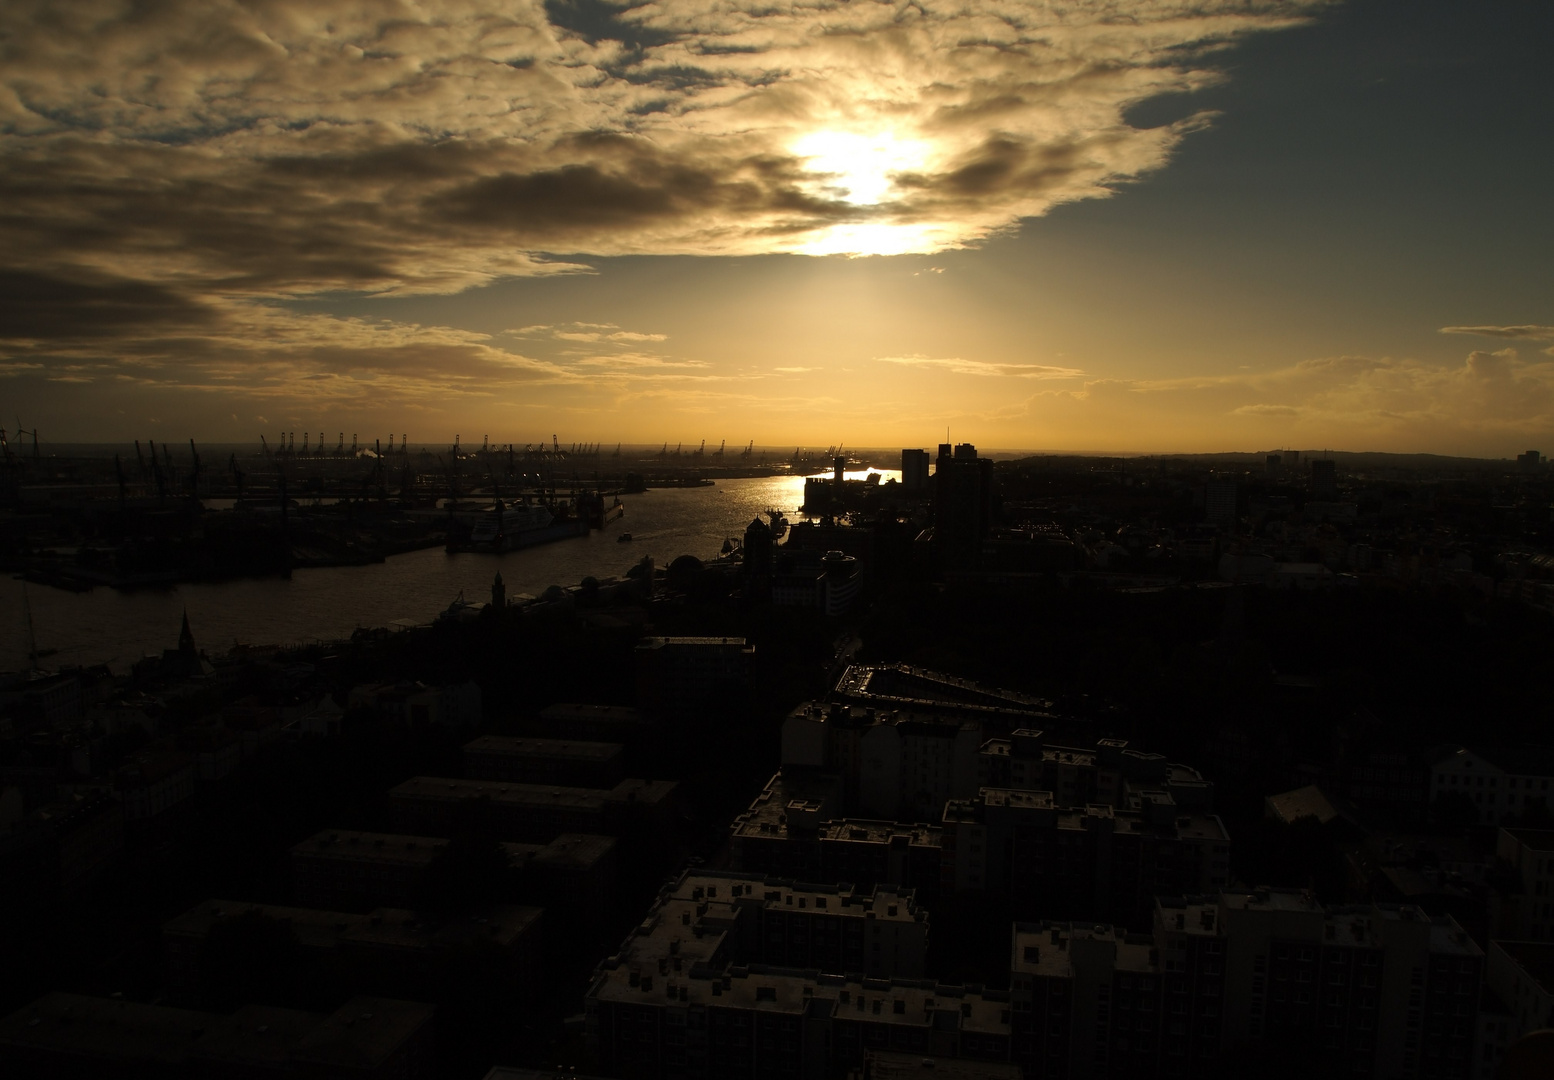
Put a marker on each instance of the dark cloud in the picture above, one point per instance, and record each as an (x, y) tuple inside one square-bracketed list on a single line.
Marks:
[(36, 306)]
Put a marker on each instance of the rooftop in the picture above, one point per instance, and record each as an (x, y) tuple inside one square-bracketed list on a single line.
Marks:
[(313, 928), (364, 1033), (569, 749), (374, 847), (501, 792), (105, 1028), (616, 714), (400, 929), (888, 1065), (1535, 958), (257, 1035)]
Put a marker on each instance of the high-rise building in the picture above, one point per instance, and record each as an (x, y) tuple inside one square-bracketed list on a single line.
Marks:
[(1219, 500), (914, 471), (963, 503), (1324, 479)]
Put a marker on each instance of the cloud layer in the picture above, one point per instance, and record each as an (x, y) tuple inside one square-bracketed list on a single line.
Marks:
[(163, 163)]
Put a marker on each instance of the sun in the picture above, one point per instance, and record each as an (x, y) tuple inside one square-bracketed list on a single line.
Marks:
[(862, 169), (858, 168)]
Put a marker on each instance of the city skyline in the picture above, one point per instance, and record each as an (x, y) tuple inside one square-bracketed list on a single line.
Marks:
[(1131, 228)]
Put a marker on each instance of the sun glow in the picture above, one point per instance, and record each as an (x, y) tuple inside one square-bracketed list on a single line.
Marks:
[(857, 168)]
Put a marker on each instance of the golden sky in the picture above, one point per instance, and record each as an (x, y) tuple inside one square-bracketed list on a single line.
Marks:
[(1119, 225)]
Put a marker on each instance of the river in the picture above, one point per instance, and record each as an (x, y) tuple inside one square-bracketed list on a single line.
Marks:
[(117, 627)]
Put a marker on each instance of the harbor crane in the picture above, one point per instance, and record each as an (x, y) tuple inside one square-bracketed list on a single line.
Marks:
[(194, 472), (750, 449), (719, 451)]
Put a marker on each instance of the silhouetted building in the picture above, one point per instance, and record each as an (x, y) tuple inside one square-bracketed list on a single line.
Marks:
[(1523, 907), (790, 831), (544, 761), (1090, 862), (538, 813), (340, 869), (914, 472), (1219, 500), (1521, 974), (758, 557), (1324, 479), (1374, 990), (600, 723), (963, 504), (893, 764), (76, 1037), (698, 954), (1501, 782), (687, 673)]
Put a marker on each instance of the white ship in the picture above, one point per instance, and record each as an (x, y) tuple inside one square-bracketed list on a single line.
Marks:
[(503, 527)]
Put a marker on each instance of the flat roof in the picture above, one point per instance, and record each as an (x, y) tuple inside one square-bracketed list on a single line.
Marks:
[(371, 847), (398, 928), (615, 714), (365, 1032), (314, 928), (797, 993), (260, 1035), (110, 1028), (444, 789), (886, 903), (578, 850), (557, 749), (701, 642), (889, 1065)]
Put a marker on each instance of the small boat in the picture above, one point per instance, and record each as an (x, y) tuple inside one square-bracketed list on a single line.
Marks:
[(623, 538)]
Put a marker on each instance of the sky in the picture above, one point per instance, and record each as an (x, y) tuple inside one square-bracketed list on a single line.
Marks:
[(1120, 226)]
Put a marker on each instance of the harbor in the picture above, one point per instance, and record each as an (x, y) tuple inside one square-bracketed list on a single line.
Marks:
[(329, 603)]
